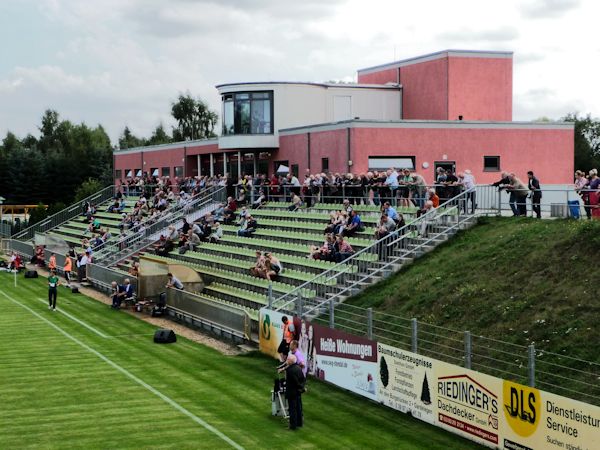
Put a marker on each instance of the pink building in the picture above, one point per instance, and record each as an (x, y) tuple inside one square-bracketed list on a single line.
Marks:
[(447, 109)]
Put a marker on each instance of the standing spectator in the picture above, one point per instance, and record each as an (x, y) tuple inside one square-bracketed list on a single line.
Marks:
[(82, 266), (520, 192), (536, 194), (52, 262), (284, 345), (53, 283), (67, 269), (295, 382), (580, 183), (467, 180)]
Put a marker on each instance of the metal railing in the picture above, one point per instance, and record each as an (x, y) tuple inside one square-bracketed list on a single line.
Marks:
[(554, 202), (66, 214), (526, 364), (111, 252), (233, 320), (102, 277), (377, 260), (25, 249)]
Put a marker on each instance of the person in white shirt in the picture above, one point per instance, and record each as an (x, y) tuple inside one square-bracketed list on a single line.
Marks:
[(467, 180), (82, 266)]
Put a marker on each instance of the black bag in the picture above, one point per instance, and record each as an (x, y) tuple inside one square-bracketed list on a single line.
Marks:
[(3, 263), (182, 250), (158, 311), (284, 347), (31, 274), (75, 290)]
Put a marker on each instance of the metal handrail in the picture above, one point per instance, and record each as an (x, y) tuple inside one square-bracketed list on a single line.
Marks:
[(278, 305)]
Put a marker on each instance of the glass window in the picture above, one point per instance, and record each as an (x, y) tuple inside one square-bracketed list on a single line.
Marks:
[(324, 164), (491, 163), (242, 116), (179, 171), (295, 170), (154, 172), (248, 113), (228, 115), (166, 171), (118, 174)]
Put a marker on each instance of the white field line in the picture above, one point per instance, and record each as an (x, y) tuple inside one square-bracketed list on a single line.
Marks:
[(80, 322), (129, 375)]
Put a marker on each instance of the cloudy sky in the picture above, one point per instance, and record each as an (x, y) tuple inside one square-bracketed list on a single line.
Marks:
[(122, 62)]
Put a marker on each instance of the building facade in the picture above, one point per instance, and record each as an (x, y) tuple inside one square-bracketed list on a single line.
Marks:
[(450, 109)]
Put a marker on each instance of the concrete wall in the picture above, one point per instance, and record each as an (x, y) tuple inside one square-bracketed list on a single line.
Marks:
[(425, 88)]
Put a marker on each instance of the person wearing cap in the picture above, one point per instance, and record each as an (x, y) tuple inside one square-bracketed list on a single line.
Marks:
[(53, 283)]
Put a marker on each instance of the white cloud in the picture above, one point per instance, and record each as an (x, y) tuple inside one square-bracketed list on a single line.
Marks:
[(121, 62)]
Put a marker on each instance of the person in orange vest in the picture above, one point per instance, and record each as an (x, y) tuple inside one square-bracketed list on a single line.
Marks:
[(52, 263), (288, 337), (68, 268)]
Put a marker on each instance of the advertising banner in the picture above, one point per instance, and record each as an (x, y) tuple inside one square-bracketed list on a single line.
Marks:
[(345, 360), (271, 331), (468, 403), (537, 419), (406, 382), (485, 409)]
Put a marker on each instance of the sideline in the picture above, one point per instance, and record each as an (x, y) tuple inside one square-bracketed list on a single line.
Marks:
[(75, 319), (128, 374)]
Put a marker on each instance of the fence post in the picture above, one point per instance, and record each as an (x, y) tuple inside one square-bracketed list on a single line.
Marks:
[(531, 366), (499, 202), (413, 335), (331, 313), (299, 308), (270, 296), (370, 323), (468, 349)]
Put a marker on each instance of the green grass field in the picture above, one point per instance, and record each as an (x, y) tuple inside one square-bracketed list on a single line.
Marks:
[(89, 377)]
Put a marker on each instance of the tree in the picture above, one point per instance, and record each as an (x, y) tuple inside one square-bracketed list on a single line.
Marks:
[(87, 188), (129, 140), (194, 119), (159, 136), (587, 141), (38, 214), (50, 123)]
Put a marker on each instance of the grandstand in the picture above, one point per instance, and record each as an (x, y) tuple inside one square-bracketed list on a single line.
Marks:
[(225, 266)]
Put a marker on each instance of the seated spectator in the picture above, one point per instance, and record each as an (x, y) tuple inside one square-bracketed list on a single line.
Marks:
[(38, 257), (354, 225), (185, 227), (228, 216), (116, 291), (276, 268), (217, 233), (219, 213), (260, 200), (15, 263), (196, 228), (174, 282), (134, 270), (326, 251), (342, 249), (193, 240), (248, 228), (258, 270), (166, 247), (172, 233), (296, 202), (391, 212), (386, 226), (432, 195), (114, 207), (232, 204)]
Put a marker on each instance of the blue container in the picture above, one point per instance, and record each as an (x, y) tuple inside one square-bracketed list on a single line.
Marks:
[(574, 208)]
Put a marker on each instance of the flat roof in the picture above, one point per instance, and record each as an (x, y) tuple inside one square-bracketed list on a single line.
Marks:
[(438, 55), (153, 148), (310, 83), (457, 124)]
